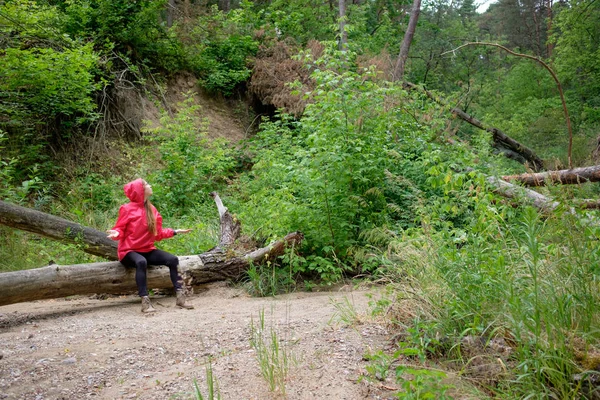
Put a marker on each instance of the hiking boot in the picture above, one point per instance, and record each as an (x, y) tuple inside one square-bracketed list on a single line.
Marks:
[(147, 306), (181, 301)]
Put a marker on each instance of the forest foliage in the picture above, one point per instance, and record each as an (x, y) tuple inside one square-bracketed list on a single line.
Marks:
[(383, 182)]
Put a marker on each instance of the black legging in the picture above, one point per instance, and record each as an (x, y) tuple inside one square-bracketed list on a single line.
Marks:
[(140, 262)]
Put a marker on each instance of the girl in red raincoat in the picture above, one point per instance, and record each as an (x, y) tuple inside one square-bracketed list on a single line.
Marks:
[(140, 225)]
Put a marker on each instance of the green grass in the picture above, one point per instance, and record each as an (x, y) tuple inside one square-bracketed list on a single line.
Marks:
[(21, 250), (532, 281), (212, 386), (345, 312), (273, 354)]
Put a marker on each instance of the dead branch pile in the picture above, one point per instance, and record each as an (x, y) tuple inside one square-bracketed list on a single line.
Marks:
[(274, 69)]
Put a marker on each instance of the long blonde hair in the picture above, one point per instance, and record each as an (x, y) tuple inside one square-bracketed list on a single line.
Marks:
[(150, 217)]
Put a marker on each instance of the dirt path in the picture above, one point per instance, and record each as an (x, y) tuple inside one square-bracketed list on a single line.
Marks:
[(106, 349)]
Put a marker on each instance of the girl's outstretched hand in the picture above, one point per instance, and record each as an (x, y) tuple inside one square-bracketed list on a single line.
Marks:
[(112, 234), (182, 231)]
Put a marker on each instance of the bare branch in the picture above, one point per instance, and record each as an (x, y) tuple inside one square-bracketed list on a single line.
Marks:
[(547, 67)]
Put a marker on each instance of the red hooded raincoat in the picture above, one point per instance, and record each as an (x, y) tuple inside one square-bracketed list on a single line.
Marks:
[(132, 225)]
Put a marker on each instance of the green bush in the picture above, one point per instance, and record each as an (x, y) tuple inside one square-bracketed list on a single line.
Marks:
[(220, 49), (192, 166), (133, 30), (302, 20), (45, 83), (328, 174)]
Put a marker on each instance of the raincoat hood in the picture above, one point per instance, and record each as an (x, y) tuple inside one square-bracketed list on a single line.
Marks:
[(135, 191)]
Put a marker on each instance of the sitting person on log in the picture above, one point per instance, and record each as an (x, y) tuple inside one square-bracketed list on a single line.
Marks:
[(140, 225)]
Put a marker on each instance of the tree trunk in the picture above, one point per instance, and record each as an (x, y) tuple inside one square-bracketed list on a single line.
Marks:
[(563, 177), (230, 226), (511, 191), (549, 46), (94, 241), (501, 140), (219, 263), (343, 33), (406, 42), (170, 12), (587, 204), (225, 5), (56, 281)]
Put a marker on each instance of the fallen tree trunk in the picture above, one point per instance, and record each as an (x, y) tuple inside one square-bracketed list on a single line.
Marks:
[(507, 145), (503, 141), (95, 242), (587, 204), (511, 191), (563, 177), (217, 264), (56, 281), (541, 202)]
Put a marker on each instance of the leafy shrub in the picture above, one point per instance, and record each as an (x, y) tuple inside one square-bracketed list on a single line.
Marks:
[(43, 74), (47, 83), (192, 165), (302, 20), (220, 47), (7, 171), (325, 174), (134, 30)]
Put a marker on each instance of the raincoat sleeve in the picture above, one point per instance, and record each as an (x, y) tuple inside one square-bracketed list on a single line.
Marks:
[(122, 222), (162, 233)]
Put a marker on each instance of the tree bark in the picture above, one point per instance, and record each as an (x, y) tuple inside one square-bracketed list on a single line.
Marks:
[(587, 204), (94, 241), (225, 5), (563, 177), (406, 42), (343, 33), (549, 46), (56, 281), (511, 191), (230, 226), (501, 140), (170, 12)]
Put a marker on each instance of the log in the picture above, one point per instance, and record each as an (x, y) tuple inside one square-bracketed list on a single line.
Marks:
[(587, 204), (511, 191), (95, 242), (563, 177), (217, 264), (56, 281), (540, 201), (501, 139)]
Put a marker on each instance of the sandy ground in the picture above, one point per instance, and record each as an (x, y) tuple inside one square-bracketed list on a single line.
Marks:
[(85, 347)]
